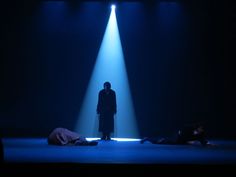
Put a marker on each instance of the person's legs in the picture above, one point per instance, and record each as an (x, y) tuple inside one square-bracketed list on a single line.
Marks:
[(83, 142), (103, 136), (152, 140), (143, 140), (108, 137), (165, 141)]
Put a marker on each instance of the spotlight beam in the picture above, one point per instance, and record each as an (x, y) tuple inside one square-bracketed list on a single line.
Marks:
[(109, 66)]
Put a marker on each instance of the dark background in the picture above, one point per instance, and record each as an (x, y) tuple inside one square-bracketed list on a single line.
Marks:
[(178, 59)]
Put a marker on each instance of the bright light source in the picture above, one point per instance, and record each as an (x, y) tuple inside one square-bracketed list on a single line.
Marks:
[(113, 7)]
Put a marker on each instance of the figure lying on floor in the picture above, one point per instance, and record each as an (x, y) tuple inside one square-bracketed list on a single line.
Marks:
[(63, 136), (187, 135)]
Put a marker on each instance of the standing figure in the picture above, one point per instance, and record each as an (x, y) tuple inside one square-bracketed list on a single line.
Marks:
[(106, 108)]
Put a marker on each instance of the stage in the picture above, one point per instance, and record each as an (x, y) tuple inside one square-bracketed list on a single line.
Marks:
[(25, 155)]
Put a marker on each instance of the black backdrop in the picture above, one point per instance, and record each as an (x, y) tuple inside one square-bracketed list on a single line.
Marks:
[(177, 58)]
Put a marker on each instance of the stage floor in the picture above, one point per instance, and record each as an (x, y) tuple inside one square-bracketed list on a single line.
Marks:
[(33, 156), (36, 150)]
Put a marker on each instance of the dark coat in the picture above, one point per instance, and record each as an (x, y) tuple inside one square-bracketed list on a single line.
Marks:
[(187, 134), (106, 108)]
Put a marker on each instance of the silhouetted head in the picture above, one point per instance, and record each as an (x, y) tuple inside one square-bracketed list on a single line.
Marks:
[(107, 85)]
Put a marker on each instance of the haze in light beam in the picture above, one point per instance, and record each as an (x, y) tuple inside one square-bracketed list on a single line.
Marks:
[(109, 66)]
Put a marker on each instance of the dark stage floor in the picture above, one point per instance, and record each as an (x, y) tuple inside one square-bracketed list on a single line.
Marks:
[(35, 153)]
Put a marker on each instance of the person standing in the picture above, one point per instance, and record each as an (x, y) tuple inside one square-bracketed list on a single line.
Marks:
[(106, 109)]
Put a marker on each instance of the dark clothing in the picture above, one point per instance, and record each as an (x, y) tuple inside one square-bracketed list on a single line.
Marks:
[(106, 108), (187, 134), (183, 137)]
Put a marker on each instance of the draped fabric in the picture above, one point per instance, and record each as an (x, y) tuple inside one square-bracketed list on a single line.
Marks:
[(63, 136)]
